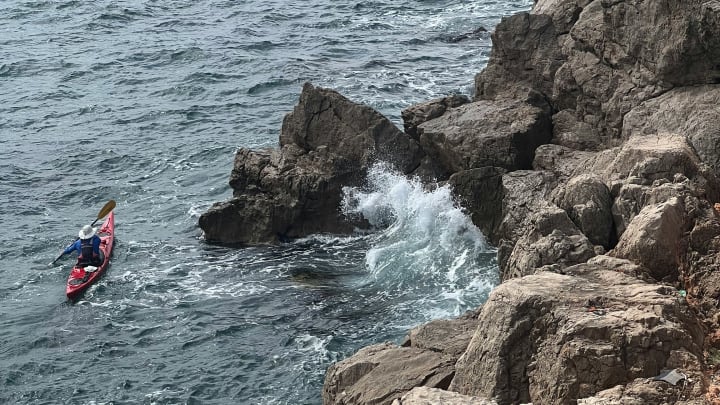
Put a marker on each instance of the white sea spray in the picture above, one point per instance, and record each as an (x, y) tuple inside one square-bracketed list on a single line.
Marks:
[(425, 242)]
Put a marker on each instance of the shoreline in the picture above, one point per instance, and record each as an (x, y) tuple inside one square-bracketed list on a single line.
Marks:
[(590, 157)]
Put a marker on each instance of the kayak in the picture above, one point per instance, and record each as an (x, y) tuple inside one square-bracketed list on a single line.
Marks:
[(83, 277)]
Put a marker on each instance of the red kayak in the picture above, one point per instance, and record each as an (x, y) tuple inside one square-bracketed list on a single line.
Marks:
[(81, 277)]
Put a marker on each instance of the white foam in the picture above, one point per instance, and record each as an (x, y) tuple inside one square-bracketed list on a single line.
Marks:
[(315, 349), (425, 241)]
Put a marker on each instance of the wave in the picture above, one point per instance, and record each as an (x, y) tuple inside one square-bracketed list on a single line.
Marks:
[(426, 243)]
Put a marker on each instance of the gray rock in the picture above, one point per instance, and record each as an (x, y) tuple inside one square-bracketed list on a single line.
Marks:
[(701, 268), (653, 239), (587, 201), (597, 60), (283, 194), (551, 338), (646, 170), (381, 373), (561, 160), (524, 192), (484, 133), (564, 13), (525, 51), (327, 143), (423, 112), (643, 391), (575, 134), (481, 193), (551, 240), (325, 118), (649, 158), (688, 111), (446, 336), (621, 265)]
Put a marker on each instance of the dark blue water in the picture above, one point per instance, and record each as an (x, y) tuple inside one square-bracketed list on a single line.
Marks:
[(145, 102)]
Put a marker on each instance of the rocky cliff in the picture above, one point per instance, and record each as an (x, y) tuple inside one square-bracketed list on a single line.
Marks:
[(591, 157)]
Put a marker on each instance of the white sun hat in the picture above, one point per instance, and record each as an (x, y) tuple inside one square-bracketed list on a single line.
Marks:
[(86, 232)]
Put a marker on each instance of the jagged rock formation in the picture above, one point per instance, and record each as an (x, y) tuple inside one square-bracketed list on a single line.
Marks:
[(327, 142), (551, 338), (599, 241), (597, 60), (590, 156)]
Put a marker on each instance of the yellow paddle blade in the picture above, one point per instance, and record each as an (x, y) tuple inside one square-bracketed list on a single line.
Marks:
[(109, 206)]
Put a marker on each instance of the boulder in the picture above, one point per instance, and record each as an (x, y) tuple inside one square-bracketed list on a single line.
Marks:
[(651, 158), (690, 112), (282, 194), (643, 391), (381, 373), (553, 339), (564, 13), (423, 112), (570, 132), (621, 265), (595, 61), (648, 158), (328, 142), (561, 160), (619, 54), (446, 336), (653, 239), (649, 169), (633, 197), (525, 52), (701, 265), (587, 201), (325, 118), (675, 41), (501, 134), (524, 192), (553, 240)]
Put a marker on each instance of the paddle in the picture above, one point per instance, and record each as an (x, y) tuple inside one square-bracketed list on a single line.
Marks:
[(109, 206)]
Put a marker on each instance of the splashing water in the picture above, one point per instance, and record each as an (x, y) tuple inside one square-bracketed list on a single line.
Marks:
[(428, 246)]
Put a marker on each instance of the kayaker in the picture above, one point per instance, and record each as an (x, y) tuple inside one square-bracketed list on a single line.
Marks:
[(88, 247)]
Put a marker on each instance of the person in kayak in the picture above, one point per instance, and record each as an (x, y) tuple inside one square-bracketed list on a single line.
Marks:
[(88, 247)]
